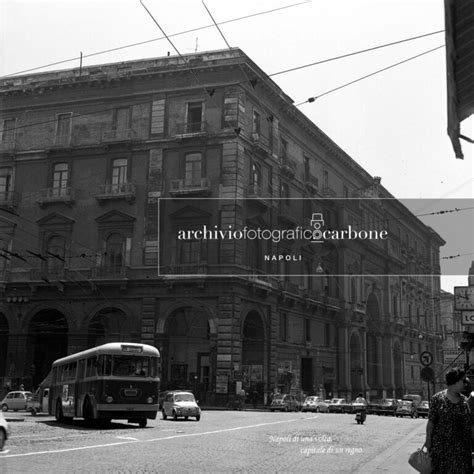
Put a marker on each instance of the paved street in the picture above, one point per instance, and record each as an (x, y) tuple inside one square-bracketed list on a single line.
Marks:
[(251, 441)]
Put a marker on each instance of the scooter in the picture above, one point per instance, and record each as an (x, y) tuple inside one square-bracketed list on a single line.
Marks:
[(361, 415)]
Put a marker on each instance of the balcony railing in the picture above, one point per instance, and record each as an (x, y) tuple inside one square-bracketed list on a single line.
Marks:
[(56, 195), (311, 182), (191, 269), (109, 272), (116, 191), (329, 192), (191, 128), (288, 167), (9, 199), (193, 186), (260, 143), (121, 135), (256, 192), (8, 145)]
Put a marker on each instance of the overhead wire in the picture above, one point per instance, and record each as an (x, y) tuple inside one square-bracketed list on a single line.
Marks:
[(313, 99), (192, 30)]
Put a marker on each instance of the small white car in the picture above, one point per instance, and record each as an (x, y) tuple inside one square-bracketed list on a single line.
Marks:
[(15, 400), (315, 404), (180, 405), (4, 431)]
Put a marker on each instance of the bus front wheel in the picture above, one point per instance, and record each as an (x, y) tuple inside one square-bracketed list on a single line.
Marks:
[(142, 423)]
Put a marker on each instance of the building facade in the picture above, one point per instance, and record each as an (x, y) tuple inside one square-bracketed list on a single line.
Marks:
[(108, 174)]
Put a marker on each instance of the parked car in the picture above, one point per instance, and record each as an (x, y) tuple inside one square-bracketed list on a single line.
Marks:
[(315, 404), (178, 404), (406, 408), (4, 431), (388, 406), (424, 408), (338, 405), (284, 402), (416, 399), (373, 406), (15, 400)]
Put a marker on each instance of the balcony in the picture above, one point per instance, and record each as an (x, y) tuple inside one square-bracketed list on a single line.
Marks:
[(329, 192), (9, 199), (122, 135), (110, 273), (112, 191), (8, 146), (190, 187), (191, 129), (260, 144), (258, 195), (287, 213), (183, 270), (56, 195), (311, 183), (288, 167)]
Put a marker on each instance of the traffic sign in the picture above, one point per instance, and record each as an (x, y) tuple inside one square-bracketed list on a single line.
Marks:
[(467, 317), (426, 358)]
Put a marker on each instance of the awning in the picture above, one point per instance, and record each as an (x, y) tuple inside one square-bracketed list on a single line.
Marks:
[(459, 20)]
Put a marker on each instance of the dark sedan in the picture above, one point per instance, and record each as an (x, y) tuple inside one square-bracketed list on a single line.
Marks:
[(388, 406)]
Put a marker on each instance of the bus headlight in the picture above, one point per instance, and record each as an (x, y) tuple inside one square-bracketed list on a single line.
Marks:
[(109, 399), (149, 400)]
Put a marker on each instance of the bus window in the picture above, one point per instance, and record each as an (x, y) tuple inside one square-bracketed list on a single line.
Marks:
[(104, 365)]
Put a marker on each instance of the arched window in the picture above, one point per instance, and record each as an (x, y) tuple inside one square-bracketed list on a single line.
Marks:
[(55, 252), (115, 252)]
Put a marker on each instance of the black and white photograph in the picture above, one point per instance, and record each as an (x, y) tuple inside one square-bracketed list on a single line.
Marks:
[(236, 236)]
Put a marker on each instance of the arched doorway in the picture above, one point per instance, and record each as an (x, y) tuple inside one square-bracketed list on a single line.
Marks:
[(108, 325), (187, 355), (398, 369), (356, 364), (253, 356), (47, 341), (4, 331)]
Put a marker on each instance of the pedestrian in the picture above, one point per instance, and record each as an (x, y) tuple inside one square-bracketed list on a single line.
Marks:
[(448, 431)]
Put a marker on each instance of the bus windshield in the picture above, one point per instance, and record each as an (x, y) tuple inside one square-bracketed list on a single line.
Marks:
[(128, 366)]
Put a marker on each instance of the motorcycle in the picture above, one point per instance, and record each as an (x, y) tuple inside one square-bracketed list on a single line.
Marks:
[(361, 414)]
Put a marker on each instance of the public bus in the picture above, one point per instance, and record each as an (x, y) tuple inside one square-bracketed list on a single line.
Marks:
[(118, 380)]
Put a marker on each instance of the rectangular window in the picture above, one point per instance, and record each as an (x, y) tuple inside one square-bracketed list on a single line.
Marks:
[(5, 183), (63, 129), (306, 168), (194, 121), (193, 168), (307, 329), (283, 327), (119, 174), (284, 149), (60, 179), (190, 252), (325, 179), (327, 334), (256, 127), (8, 131), (345, 192), (122, 119)]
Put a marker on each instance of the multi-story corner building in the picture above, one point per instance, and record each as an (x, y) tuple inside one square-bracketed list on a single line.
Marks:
[(107, 176)]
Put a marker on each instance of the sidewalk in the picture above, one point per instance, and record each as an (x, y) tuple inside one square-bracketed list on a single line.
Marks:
[(394, 460)]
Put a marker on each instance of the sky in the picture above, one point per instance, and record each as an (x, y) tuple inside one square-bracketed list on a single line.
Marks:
[(393, 123)]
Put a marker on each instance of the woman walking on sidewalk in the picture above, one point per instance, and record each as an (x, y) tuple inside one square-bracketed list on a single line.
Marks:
[(448, 432)]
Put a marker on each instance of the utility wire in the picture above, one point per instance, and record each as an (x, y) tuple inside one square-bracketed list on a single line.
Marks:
[(385, 45), (158, 39), (312, 99)]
